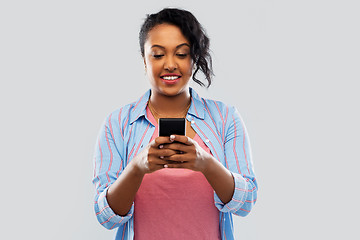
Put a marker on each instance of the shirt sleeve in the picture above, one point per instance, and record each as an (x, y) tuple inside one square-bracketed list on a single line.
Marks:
[(108, 165), (238, 160)]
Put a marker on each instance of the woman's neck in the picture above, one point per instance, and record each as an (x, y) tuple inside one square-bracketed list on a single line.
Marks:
[(170, 105)]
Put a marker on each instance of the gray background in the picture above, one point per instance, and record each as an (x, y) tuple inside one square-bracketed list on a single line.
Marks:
[(290, 67)]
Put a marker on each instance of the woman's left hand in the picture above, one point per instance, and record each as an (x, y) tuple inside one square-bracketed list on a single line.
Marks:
[(190, 154)]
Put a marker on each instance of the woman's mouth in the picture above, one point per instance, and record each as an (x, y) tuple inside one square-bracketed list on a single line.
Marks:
[(170, 78)]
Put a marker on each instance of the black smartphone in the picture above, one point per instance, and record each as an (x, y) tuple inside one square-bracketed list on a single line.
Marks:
[(168, 126)]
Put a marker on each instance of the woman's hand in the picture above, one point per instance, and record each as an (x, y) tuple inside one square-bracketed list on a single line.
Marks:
[(154, 155), (188, 154)]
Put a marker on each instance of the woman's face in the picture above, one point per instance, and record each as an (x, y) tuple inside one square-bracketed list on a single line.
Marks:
[(167, 60)]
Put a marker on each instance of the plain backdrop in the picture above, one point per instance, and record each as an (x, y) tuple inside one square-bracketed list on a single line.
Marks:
[(290, 67)]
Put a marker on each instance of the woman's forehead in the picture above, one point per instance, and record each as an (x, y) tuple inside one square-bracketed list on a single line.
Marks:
[(166, 35)]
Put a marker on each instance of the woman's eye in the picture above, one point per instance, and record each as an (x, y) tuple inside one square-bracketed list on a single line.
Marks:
[(182, 55), (158, 55)]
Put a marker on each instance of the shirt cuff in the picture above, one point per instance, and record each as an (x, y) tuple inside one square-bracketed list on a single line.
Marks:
[(107, 217), (238, 198)]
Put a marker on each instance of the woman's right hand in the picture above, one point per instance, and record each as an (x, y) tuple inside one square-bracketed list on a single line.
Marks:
[(150, 158)]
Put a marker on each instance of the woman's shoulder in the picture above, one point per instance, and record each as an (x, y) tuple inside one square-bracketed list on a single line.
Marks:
[(217, 106), (129, 112), (213, 107), (122, 109), (121, 113)]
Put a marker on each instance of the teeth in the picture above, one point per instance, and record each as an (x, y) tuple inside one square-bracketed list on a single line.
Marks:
[(170, 77)]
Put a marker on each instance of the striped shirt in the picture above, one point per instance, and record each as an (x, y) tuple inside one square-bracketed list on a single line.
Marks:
[(127, 131)]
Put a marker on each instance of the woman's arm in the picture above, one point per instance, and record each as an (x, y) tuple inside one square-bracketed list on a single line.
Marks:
[(121, 193), (220, 179), (239, 161)]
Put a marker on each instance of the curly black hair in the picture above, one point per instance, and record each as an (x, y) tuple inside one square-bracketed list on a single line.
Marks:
[(192, 30)]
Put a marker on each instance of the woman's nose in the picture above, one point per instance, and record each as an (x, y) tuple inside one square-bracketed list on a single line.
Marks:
[(170, 64)]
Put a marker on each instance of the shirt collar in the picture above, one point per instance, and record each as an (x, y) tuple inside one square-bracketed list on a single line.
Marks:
[(196, 109), (139, 108)]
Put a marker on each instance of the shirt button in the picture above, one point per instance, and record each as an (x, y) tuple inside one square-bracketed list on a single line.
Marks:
[(192, 122), (207, 140)]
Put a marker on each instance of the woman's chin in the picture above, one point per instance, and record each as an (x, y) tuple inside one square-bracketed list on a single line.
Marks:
[(174, 91)]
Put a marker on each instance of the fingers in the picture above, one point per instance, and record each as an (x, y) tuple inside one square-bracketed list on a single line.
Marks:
[(178, 147), (155, 163), (175, 151), (160, 141), (158, 161), (164, 156), (179, 158), (182, 139), (181, 148), (161, 153), (174, 161)]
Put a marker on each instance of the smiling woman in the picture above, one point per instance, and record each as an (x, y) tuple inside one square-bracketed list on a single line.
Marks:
[(168, 62), (182, 186)]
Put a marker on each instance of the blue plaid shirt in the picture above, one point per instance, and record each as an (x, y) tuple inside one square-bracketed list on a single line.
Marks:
[(127, 131)]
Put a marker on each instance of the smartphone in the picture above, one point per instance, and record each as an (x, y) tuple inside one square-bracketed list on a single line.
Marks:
[(168, 126)]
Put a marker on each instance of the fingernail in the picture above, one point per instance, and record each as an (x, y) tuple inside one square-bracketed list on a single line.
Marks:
[(161, 146), (162, 157)]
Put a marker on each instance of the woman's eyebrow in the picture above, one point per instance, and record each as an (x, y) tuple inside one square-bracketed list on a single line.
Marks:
[(153, 46), (178, 46), (183, 44)]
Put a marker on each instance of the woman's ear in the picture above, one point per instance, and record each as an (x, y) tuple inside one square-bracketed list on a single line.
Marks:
[(144, 61), (145, 65)]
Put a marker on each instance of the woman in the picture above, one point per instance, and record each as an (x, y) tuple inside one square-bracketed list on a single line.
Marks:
[(177, 187)]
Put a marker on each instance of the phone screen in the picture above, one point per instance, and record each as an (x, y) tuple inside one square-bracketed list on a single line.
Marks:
[(168, 126)]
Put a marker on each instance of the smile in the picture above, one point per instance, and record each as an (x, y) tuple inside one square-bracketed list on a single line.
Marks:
[(170, 77)]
